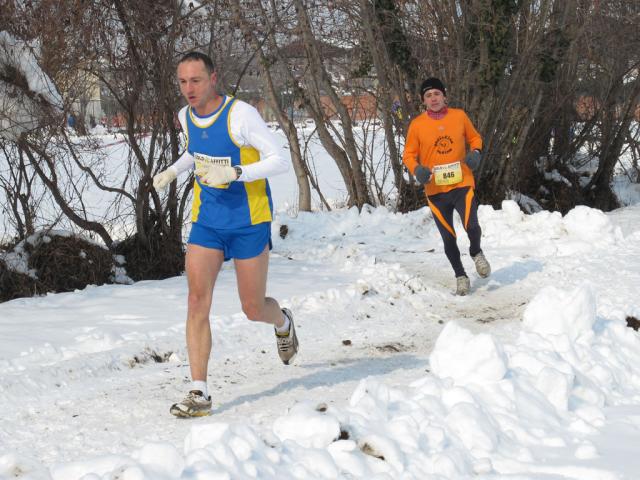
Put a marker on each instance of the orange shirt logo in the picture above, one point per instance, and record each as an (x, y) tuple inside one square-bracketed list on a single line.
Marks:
[(444, 144)]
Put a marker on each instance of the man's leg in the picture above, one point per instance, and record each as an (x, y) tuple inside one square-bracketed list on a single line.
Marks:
[(442, 206), (251, 275), (202, 266), (466, 205), (442, 212)]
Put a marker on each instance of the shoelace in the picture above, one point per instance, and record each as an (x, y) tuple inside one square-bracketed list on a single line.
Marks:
[(195, 397), (284, 343), (480, 258)]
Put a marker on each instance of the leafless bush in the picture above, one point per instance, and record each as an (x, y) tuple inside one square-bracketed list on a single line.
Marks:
[(15, 284), (67, 263)]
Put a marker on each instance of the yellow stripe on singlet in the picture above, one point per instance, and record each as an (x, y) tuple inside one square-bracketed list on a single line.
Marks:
[(197, 201), (257, 190)]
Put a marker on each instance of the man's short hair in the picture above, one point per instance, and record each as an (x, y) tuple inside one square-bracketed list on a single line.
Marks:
[(195, 56)]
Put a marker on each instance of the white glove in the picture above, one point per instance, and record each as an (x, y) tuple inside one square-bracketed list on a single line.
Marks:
[(216, 174), (164, 178)]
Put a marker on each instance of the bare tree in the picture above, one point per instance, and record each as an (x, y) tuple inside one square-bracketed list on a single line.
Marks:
[(395, 67), (22, 196), (318, 82), (548, 84), (255, 33), (519, 69), (131, 49)]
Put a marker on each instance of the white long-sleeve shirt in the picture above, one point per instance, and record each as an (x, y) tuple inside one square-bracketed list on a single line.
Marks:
[(247, 129)]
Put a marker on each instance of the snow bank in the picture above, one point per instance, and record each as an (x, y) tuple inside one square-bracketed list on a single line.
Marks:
[(487, 406), (466, 358), (590, 225), (21, 56), (554, 312), (581, 230), (19, 112), (486, 409)]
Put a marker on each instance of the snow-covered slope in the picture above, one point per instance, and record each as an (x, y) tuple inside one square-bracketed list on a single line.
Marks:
[(534, 375)]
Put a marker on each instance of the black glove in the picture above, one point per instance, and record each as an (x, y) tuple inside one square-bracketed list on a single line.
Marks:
[(473, 159), (422, 174)]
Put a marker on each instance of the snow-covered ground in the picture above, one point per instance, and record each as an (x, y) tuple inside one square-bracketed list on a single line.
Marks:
[(535, 375)]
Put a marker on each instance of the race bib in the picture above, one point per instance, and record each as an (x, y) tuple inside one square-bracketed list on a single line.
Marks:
[(206, 160), (203, 160), (448, 174)]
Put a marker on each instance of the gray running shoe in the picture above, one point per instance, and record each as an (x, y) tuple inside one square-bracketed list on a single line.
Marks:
[(462, 285), (287, 342), (482, 266), (195, 404)]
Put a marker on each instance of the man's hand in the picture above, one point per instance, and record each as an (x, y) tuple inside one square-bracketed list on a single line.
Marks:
[(422, 174), (216, 174), (473, 159), (164, 178)]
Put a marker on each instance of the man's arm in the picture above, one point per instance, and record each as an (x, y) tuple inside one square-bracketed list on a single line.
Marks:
[(471, 134), (185, 162), (249, 129), (411, 149)]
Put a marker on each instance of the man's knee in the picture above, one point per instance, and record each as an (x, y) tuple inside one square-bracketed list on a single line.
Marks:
[(474, 230), (198, 300)]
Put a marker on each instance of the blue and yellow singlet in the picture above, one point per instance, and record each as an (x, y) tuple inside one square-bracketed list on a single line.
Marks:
[(234, 205)]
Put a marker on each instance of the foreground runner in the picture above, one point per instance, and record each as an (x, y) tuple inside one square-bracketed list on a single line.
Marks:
[(435, 154), (233, 151)]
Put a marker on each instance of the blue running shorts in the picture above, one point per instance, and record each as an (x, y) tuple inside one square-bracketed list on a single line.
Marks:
[(240, 243)]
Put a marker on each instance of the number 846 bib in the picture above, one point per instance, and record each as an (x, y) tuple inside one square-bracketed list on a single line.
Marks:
[(448, 174)]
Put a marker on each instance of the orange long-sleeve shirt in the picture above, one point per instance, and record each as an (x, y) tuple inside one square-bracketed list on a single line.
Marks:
[(440, 145)]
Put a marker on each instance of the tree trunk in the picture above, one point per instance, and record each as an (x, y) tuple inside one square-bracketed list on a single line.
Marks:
[(286, 123), (319, 81)]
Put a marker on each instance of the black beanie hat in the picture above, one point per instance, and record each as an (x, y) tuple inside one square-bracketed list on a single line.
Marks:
[(430, 83)]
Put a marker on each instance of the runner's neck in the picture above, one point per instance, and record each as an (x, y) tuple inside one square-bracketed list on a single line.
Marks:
[(439, 114)]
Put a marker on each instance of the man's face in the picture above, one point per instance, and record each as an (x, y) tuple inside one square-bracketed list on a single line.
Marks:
[(434, 100), (197, 86)]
